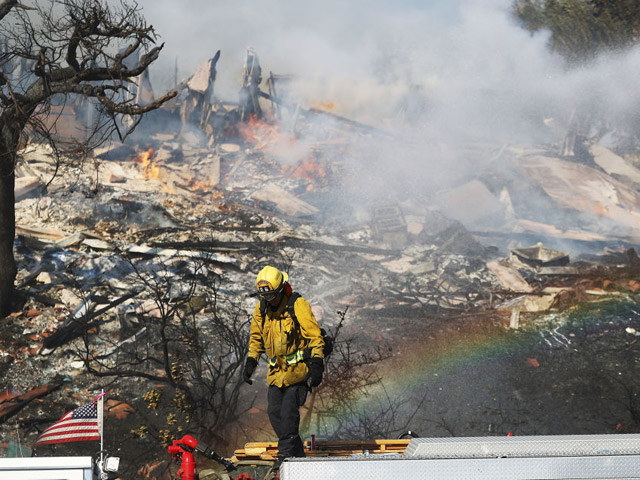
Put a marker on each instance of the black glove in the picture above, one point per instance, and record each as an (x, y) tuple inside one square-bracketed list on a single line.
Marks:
[(316, 368), (249, 368)]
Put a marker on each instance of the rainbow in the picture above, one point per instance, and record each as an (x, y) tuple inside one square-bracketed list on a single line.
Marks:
[(465, 343)]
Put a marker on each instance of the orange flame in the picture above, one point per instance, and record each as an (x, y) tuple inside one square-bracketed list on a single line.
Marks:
[(311, 170), (152, 170), (146, 158), (155, 172), (199, 186), (261, 133), (327, 106)]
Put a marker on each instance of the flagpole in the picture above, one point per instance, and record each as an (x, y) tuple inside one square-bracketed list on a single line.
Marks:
[(101, 423)]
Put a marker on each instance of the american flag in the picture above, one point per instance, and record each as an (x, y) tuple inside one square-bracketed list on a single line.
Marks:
[(75, 426)]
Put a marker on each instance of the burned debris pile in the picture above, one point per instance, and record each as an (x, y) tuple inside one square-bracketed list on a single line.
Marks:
[(209, 191)]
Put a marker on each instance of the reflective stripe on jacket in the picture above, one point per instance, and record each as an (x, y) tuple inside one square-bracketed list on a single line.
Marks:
[(283, 343), (289, 359)]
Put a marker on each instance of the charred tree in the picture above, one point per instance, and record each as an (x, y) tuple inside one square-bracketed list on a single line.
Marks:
[(54, 53), (185, 346)]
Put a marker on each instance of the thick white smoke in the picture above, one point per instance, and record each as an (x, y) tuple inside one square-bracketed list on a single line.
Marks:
[(435, 73), (473, 64), (365, 56)]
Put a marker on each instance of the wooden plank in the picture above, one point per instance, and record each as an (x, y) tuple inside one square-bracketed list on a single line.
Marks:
[(338, 448), (339, 444), (41, 233), (203, 76), (286, 202), (509, 277)]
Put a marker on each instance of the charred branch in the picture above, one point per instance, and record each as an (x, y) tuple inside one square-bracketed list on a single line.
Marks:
[(132, 110), (7, 5), (81, 42)]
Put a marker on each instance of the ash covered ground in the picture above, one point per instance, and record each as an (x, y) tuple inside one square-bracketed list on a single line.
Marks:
[(455, 364)]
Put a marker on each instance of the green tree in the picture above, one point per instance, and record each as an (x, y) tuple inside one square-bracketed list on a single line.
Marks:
[(581, 29)]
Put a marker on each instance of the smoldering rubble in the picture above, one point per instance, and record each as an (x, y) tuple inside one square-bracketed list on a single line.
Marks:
[(239, 184)]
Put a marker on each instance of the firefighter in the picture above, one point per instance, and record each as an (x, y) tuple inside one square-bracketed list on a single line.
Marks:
[(291, 339)]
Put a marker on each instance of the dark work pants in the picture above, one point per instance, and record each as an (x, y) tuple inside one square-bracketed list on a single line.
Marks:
[(284, 415)]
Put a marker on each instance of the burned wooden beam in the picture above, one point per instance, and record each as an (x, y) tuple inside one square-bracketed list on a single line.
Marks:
[(357, 125), (315, 111), (269, 213), (315, 245), (10, 407), (273, 92), (174, 252), (78, 322), (132, 339), (250, 92), (281, 242)]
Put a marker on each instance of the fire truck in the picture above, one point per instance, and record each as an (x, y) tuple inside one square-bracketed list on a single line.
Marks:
[(615, 456), (490, 458)]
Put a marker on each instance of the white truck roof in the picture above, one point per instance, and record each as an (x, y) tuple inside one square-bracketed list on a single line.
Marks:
[(485, 458), (46, 468)]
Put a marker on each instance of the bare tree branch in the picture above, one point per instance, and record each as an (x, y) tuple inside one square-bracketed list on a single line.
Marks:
[(6, 6), (52, 55), (134, 109)]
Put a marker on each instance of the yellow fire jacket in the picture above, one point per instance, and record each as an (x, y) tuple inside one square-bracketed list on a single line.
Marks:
[(283, 343)]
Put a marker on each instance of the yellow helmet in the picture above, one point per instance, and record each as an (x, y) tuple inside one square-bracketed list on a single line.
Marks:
[(270, 281)]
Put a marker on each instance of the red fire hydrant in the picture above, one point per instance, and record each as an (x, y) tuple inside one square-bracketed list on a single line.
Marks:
[(182, 451)]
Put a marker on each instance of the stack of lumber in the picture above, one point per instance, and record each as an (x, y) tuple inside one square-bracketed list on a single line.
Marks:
[(323, 448)]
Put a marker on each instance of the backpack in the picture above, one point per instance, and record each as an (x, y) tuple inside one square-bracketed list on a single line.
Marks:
[(328, 339)]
